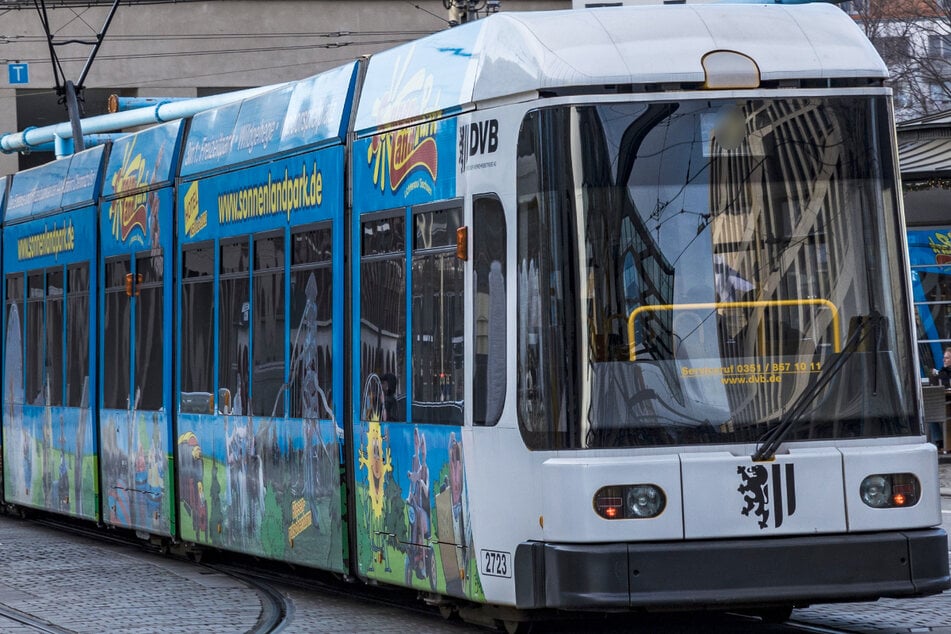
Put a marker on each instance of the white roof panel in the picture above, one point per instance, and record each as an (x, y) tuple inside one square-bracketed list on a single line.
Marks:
[(511, 53)]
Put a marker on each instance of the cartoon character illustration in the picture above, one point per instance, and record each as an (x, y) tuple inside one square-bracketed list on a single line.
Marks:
[(155, 473), (61, 486), (191, 471), (245, 477), (81, 426), (313, 400), (27, 460), (420, 558), (378, 464), (454, 537), (46, 458)]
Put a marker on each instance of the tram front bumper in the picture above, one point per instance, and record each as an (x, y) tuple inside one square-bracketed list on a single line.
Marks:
[(725, 573)]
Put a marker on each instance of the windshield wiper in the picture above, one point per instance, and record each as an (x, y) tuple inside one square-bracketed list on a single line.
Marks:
[(871, 325)]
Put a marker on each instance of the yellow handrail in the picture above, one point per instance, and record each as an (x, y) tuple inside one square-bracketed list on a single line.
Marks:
[(836, 337)]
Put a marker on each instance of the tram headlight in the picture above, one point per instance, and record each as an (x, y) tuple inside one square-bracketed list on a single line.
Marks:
[(629, 501), (645, 500), (890, 490)]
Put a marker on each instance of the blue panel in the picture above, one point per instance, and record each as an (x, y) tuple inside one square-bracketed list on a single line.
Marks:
[(40, 188), (319, 108), (64, 183), (298, 115), (209, 139), (257, 129), (432, 75), (294, 190), (930, 252), (60, 239), (930, 248), (405, 167), (83, 179), (143, 159)]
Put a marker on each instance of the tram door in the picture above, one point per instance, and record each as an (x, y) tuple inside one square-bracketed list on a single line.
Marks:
[(134, 437)]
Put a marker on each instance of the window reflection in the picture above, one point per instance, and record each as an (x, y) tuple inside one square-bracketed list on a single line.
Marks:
[(437, 318), (383, 318), (197, 350), (13, 391), (77, 336), (311, 389), (117, 345), (686, 270), (234, 317), (490, 319), (149, 333)]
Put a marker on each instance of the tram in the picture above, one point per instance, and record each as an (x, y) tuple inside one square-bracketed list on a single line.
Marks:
[(598, 310)]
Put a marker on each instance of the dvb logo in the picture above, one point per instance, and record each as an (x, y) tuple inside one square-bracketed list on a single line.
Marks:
[(481, 137)]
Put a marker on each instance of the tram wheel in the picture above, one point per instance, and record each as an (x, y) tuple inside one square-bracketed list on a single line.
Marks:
[(779, 614), (514, 627)]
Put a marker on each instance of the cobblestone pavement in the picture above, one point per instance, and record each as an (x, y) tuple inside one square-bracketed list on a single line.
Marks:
[(47, 574), (70, 583)]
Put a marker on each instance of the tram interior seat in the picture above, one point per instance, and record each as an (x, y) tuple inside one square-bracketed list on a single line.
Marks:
[(197, 403)]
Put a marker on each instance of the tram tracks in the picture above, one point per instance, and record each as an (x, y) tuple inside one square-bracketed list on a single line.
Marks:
[(22, 619), (275, 609)]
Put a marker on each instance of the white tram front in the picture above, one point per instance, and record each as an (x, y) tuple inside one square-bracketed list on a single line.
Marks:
[(693, 362)]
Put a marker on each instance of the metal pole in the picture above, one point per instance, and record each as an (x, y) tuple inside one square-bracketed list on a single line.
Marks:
[(72, 107)]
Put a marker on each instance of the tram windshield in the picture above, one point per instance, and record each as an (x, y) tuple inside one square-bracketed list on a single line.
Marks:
[(703, 271)]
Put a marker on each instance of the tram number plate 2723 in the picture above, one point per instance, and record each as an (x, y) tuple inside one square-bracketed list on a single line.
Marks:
[(496, 563)]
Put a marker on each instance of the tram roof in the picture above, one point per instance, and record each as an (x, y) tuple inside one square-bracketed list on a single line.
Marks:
[(64, 184), (514, 53)]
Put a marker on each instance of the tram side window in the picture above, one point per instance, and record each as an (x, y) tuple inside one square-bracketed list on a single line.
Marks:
[(383, 318), (117, 344), (438, 337), (13, 350), (198, 308), (77, 336), (54, 335), (311, 377), (35, 340), (233, 326), (268, 327), (489, 323), (149, 340)]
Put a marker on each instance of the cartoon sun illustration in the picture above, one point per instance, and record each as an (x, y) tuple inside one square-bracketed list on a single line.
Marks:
[(377, 466)]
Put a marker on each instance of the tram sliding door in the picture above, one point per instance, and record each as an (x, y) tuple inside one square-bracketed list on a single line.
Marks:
[(411, 524), (135, 425)]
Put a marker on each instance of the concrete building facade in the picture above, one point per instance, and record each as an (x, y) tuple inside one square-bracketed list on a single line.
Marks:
[(185, 48)]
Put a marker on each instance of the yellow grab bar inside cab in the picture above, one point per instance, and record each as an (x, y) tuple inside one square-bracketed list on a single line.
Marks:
[(836, 337)]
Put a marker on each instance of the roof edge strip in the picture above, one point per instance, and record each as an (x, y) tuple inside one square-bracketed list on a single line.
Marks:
[(188, 177), (415, 120)]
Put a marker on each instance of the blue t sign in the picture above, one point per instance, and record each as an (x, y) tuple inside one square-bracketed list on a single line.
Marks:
[(19, 73)]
